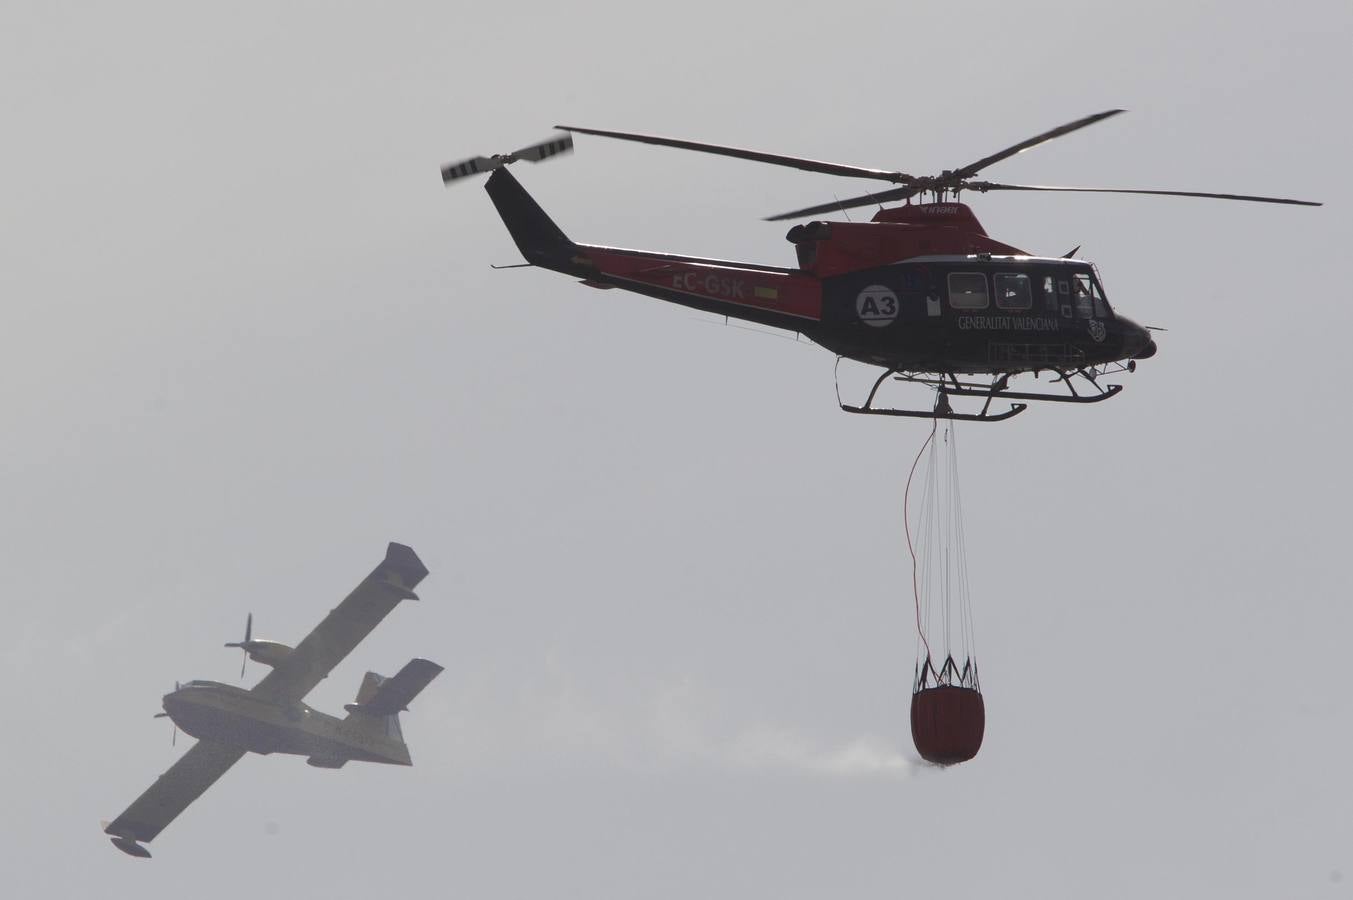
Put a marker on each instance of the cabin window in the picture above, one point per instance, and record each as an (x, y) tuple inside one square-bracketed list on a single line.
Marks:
[(1013, 291), (968, 290), (1049, 294)]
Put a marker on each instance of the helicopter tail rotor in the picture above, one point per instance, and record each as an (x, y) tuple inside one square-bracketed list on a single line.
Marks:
[(555, 146)]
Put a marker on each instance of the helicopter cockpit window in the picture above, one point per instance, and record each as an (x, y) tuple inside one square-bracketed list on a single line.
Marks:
[(1013, 291), (1081, 290), (1049, 294), (1101, 304), (968, 290)]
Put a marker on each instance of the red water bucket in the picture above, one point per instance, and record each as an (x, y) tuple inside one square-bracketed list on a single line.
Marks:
[(947, 723)]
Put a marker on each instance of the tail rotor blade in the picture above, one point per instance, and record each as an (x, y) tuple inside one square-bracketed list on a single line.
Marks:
[(468, 167), (560, 143), (475, 165)]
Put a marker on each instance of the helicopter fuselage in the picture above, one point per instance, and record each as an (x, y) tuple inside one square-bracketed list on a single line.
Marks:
[(978, 313), (921, 289)]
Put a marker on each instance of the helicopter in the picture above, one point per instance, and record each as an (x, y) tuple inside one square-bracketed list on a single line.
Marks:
[(920, 290)]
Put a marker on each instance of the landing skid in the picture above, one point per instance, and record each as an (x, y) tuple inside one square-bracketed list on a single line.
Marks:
[(998, 388), (948, 385), (942, 408), (1105, 394), (941, 411)]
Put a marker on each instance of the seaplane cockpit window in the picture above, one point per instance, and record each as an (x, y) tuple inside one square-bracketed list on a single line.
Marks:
[(1013, 291)]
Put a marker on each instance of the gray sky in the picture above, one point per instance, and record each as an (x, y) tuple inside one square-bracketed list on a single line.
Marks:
[(248, 338)]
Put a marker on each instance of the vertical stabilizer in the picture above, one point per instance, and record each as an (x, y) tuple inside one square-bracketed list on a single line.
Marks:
[(537, 237)]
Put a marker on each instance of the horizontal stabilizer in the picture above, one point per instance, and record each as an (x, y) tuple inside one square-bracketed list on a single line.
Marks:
[(393, 695)]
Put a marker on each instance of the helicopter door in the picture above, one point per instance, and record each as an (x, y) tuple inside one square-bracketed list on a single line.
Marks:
[(1050, 304), (929, 303), (913, 298)]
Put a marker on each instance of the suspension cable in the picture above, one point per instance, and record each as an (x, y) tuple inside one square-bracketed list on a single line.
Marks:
[(928, 522), (906, 524), (961, 539)]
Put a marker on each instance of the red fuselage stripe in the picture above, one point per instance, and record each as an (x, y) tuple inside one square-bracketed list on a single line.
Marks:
[(798, 296)]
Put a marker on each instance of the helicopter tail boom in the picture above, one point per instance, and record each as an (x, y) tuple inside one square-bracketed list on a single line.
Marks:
[(768, 295)]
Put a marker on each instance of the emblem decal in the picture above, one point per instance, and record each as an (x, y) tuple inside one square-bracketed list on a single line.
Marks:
[(876, 305), (1097, 331)]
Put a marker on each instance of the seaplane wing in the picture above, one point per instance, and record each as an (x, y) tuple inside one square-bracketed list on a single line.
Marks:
[(345, 626), (171, 794)]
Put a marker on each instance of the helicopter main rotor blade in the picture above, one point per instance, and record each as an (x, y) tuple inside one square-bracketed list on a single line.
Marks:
[(775, 159), (972, 169), (900, 193), (983, 186)]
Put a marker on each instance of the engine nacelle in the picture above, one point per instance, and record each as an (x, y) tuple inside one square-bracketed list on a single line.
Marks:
[(270, 653)]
